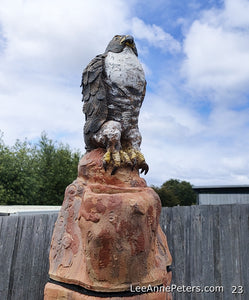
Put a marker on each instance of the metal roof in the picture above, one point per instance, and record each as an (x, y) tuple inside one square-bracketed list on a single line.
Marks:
[(27, 209), (221, 188)]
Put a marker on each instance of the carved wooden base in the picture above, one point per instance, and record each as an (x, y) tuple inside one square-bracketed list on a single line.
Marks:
[(107, 235), (56, 292)]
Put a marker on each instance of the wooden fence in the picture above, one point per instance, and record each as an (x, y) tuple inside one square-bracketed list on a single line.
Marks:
[(24, 250), (209, 246)]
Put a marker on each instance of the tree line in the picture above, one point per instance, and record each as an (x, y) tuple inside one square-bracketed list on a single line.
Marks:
[(37, 174)]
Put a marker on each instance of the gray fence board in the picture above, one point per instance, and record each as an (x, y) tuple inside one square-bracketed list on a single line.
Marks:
[(244, 248), (7, 245), (209, 247)]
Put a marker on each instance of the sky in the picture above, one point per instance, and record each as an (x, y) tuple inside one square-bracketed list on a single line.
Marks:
[(194, 120)]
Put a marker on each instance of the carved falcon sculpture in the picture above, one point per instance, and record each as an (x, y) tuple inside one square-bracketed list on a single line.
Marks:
[(113, 88)]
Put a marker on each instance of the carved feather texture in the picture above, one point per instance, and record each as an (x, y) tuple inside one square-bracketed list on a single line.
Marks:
[(94, 95)]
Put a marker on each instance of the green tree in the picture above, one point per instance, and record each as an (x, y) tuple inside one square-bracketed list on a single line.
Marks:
[(57, 169), (175, 192), (17, 173), (36, 174)]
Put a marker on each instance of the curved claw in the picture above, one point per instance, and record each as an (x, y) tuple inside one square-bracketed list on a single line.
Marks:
[(105, 165), (144, 168), (114, 170)]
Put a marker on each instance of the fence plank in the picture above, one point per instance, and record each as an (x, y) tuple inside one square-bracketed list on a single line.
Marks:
[(226, 244), (244, 249), (196, 251), (8, 227), (216, 251), (207, 259)]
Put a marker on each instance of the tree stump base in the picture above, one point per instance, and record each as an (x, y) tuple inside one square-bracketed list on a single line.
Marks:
[(107, 237)]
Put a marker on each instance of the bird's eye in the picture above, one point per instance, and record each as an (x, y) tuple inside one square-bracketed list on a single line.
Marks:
[(117, 37)]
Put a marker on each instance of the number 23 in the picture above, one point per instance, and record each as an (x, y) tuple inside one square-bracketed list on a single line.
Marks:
[(237, 289)]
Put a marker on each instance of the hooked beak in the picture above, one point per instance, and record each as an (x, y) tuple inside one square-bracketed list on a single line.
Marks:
[(128, 40)]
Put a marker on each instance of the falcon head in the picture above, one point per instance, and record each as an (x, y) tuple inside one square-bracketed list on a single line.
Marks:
[(118, 43)]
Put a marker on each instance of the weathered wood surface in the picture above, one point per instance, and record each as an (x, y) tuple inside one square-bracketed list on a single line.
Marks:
[(209, 245), (24, 250)]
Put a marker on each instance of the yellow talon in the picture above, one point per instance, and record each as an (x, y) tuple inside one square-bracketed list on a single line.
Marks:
[(132, 153), (116, 159), (128, 157), (140, 157), (125, 157), (107, 157)]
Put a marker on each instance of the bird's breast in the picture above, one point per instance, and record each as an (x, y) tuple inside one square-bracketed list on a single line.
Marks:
[(125, 70)]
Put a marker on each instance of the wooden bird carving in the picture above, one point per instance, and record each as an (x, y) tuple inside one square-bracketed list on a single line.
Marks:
[(113, 88)]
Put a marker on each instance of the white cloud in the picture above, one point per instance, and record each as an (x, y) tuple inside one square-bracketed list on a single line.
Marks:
[(229, 124), (155, 36), (217, 66), (202, 159), (59, 37), (216, 49), (234, 15), (170, 133), (178, 142), (27, 111), (167, 119), (56, 36)]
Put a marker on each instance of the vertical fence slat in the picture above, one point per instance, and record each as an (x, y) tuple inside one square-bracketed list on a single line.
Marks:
[(216, 251), (8, 228), (207, 248), (244, 249), (196, 251), (226, 245)]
